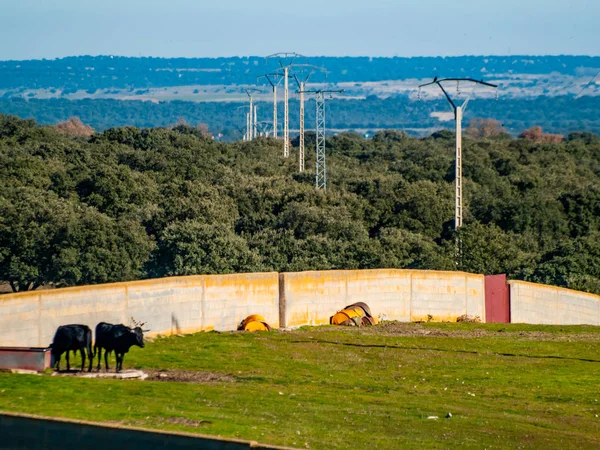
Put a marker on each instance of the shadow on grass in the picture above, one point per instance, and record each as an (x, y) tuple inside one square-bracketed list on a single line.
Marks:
[(472, 352)]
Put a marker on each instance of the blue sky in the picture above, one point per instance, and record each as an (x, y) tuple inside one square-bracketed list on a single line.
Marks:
[(197, 28)]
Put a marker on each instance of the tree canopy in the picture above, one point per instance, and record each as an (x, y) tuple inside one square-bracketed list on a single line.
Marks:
[(133, 203)]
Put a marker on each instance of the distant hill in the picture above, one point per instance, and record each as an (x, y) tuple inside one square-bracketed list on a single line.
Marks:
[(555, 114), (101, 72), (556, 92)]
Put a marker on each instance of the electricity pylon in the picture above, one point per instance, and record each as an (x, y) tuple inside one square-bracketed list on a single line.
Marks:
[(305, 71), (245, 133), (458, 184), (289, 57), (274, 79), (248, 128), (301, 151), (255, 128), (320, 164), (251, 118), (265, 127), (458, 115)]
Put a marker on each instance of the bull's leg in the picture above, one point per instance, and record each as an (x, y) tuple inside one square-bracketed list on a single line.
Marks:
[(120, 361), (99, 352), (106, 360), (90, 357), (82, 351), (68, 365), (57, 363)]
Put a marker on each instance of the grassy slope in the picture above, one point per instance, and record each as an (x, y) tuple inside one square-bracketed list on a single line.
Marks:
[(534, 386)]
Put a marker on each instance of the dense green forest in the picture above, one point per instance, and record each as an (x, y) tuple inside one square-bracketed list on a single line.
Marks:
[(132, 203), (555, 114), (101, 72)]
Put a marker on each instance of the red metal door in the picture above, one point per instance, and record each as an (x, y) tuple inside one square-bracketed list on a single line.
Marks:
[(497, 299)]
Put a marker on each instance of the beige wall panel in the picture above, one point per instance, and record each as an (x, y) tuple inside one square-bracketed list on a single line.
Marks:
[(386, 291), (228, 299), (543, 304), (167, 306), (19, 320), (475, 295), (439, 294), (313, 297), (86, 305)]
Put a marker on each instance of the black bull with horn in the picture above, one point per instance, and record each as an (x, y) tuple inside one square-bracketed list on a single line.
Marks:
[(118, 338)]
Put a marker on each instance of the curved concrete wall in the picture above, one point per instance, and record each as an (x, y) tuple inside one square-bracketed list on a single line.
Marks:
[(168, 306), (219, 302), (543, 304), (396, 294)]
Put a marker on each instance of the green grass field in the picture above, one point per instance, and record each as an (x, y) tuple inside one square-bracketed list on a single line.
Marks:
[(506, 386)]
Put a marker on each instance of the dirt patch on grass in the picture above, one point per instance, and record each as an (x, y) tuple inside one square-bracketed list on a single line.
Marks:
[(543, 336), (187, 422), (415, 329), (161, 421), (393, 328), (188, 376)]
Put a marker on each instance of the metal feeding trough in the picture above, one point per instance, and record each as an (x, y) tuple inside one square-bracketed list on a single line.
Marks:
[(27, 358)]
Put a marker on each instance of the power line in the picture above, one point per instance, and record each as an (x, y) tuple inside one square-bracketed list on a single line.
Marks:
[(586, 86)]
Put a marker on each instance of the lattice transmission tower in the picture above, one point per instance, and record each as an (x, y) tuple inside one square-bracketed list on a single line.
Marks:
[(321, 162)]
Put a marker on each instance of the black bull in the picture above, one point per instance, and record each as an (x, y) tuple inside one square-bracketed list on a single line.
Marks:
[(72, 338), (117, 338)]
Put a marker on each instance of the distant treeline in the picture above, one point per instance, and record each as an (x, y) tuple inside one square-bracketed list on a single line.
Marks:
[(102, 72), (133, 203), (555, 114)]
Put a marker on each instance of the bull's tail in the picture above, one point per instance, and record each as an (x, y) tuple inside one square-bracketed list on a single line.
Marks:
[(88, 341), (88, 346), (96, 345)]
